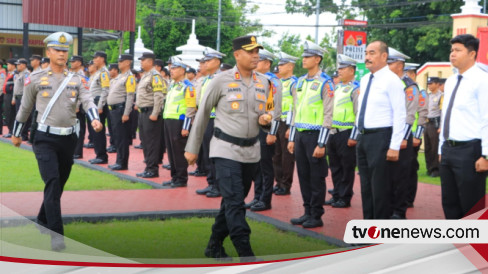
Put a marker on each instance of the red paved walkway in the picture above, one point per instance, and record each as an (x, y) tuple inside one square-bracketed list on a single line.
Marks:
[(427, 204)]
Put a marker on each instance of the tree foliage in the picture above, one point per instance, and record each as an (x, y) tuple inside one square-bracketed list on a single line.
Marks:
[(166, 24), (420, 29)]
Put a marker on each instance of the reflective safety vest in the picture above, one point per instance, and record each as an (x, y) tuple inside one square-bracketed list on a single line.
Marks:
[(287, 96), (343, 116), (310, 110), (176, 103), (206, 82)]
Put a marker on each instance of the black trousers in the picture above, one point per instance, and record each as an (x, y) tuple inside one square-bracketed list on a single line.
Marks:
[(81, 138), (342, 161), (175, 144), (311, 173), (374, 172), (25, 131), (162, 148), (109, 127), (263, 182), (463, 189), (100, 138), (149, 131), (121, 136), (207, 162), (413, 177), (134, 123), (9, 111), (234, 179), (2, 96), (431, 147), (283, 161), (91, 131), (54, 156), (400, 179)]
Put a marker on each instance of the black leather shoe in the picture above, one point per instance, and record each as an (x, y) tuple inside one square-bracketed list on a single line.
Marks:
[(397, 216), (216, 250), (200, 174), (260, 206), (97, 161), (331, 191), (204, 191), (409, 204), (341, 204), (57, 243), (214, 193), (330, 201), (253, 202), (89, 145), (167, 166), (117, 167), (275, 188), (434, 174), (311, 223), (282, 191), (167, 183), (140, 174), (138, 146), (178, 184), (300, 220), (111, 149), (8, 135), (148, 174), (192, 173), (77, 156)]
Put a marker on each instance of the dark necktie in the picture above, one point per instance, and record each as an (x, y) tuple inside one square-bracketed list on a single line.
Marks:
[(363, 105), (447, 118)]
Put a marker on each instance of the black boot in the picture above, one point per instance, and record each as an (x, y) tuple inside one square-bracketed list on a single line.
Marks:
[(215, 249), (244, 250)]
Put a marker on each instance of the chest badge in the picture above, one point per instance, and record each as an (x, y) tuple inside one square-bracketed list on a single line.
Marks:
[(45, 94), (314, 86), (234, 105)]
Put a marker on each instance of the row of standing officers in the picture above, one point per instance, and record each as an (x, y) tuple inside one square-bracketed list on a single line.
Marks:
[(244, 115)]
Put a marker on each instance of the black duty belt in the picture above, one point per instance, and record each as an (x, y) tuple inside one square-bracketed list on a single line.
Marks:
[(18, 97), (435, 120), (116, 106), (145, 109), (375, 130), (243, 142), (453, 143)]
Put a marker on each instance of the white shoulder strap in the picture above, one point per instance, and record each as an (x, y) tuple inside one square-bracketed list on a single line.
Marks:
[(55, 97)]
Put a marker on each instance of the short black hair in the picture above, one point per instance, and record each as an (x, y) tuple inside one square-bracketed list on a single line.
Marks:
[(469, 41), (383, 46)]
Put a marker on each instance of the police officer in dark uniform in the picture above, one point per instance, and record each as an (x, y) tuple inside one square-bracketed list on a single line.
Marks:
[(159, 66), (150, 95), (263, 183), (310, 130), (243, 101), (120, 100), (100, 84), (55, 140)]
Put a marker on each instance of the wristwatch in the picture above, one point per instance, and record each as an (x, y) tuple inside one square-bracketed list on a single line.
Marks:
[(321, 145)]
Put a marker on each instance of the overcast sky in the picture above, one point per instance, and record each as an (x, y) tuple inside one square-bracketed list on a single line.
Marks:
[(272, 12)]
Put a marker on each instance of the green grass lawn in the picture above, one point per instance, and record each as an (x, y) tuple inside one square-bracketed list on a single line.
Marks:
[(152, 241), (423, 177), (19, 172)]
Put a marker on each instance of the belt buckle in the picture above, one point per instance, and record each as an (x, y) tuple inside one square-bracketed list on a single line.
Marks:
[(64, 131)]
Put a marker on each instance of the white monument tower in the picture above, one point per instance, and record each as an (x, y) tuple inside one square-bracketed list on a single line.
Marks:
[(192, 50), (138, 50)]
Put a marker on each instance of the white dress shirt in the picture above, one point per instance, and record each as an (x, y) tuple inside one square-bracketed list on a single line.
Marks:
[(386, 104), (469, 114)]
